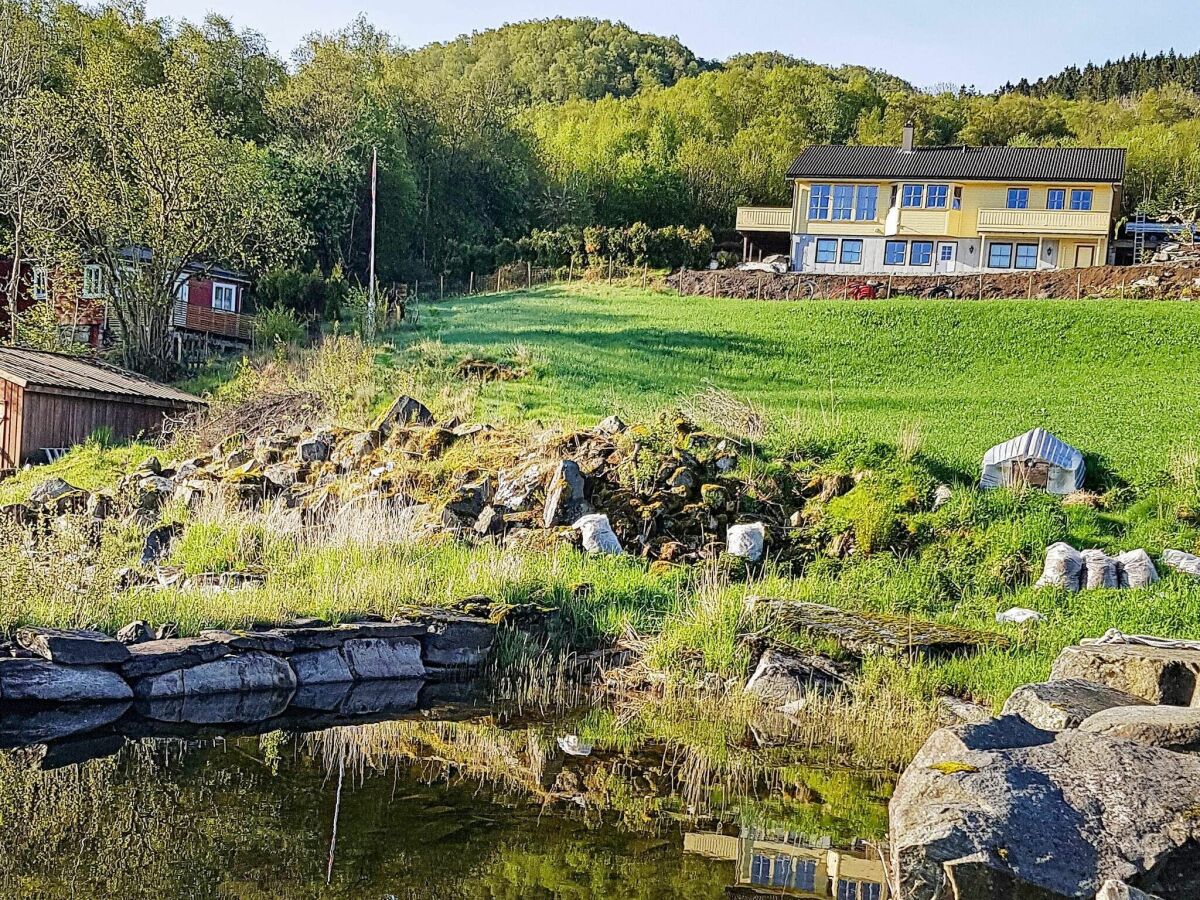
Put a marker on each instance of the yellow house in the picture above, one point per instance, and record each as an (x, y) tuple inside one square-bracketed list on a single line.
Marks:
[(946, 210)]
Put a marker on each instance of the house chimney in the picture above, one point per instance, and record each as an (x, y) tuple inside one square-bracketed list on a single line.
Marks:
[(909, 131)]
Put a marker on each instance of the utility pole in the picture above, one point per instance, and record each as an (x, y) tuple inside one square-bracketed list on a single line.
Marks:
[(371, 263)]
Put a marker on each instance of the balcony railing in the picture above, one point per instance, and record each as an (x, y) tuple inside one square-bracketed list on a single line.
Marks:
[(764, 218), (1043, 221), (207, 320)]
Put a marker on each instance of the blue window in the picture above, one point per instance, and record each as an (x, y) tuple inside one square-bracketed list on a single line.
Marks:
[(868, 199), (921, 253), (1027, 257), (760, 869), (806, 875), (1056, 198), (847, 890), (1000, 256), (893, 253), (1018, 198), (826, 250), (851, 252), (843, 201), (936, 196), (818, 201), (868, 890), (1081, 200), (782, 875), (911, 196)]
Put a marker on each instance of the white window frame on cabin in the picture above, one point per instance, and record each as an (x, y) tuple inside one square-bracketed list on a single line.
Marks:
[(93, 282), (218, 288), (40, 283), (183, 288)]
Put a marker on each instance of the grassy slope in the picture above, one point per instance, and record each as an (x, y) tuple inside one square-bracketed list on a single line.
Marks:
[(1116, 378)]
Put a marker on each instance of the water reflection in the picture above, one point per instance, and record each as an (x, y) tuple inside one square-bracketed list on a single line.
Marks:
[(785, 864), (425, 793)]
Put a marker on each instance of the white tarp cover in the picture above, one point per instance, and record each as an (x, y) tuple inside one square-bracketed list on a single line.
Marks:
[(1009, 462)]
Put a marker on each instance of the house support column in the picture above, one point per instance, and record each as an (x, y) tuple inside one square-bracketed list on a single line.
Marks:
[(745, 248)]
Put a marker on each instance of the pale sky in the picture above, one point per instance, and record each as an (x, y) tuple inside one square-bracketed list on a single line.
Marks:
[(957, 41)]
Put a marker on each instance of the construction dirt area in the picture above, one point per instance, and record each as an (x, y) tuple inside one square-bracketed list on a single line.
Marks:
[(1149, 282)]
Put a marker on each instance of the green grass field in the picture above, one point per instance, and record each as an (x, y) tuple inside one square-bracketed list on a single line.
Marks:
[(1118, 379)]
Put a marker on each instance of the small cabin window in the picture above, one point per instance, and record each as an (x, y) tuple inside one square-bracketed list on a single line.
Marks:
[(224, 297), (41, 282), (93, 282)]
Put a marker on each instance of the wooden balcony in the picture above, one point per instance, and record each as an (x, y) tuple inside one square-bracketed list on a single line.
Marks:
[(205, 320), (765, 218), (1043, 221)]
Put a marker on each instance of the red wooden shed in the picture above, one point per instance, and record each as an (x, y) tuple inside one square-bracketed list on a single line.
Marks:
[(50, 401)]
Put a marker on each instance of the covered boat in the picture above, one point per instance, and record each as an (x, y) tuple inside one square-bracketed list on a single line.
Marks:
[(1036, 458)]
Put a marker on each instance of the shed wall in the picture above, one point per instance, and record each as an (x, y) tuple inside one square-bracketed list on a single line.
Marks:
[(10, 424), (56, 420)]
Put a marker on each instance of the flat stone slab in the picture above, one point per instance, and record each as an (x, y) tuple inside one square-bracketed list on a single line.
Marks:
[(320, 667), (245, 673), (1170, 727), (267, 641), (78, 647), (371, 659), (1154, 674), (783, 676), (458, 642), (158, 657), (41, 681), (1063, 704), (863, 633), (326, 637)]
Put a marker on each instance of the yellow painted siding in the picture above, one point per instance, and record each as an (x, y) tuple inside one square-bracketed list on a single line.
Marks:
[(962, 223)]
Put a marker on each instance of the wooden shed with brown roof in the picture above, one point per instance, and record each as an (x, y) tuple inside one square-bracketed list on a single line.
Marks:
[(51, 401)]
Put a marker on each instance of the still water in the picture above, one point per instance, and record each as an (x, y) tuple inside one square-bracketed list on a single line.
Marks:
[(439, 799)]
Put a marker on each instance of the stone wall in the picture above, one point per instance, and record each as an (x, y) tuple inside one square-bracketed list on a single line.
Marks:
[(49, 666)]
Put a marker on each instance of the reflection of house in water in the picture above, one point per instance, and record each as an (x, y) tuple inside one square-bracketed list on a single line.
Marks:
[(783, 864)]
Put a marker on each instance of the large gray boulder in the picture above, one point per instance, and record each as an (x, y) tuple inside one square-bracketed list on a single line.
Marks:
[(40, 681), (1169, 727), (326, 666), (78, 647), (1005, 810), (403, 411), (1119, 890), (372, 659), (232, 674), (1155, 674), (1058, 705)]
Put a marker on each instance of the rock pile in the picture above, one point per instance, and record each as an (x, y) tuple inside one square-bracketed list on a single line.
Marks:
[(1083, 787), (668, 494)]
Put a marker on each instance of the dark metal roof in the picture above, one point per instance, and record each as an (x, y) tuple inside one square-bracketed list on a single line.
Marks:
[(35, 369), (1059, 164)]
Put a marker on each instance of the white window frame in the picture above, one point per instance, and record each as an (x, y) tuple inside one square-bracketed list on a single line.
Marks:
[(830, 246), (183, 288), (943, 193), (866, 201), (1078, 195), (913, 192), (217, 287), (820, 202), (1062, 200), (1022, 202), (857, 244), (93, 282), (40, 283), (843, 194)]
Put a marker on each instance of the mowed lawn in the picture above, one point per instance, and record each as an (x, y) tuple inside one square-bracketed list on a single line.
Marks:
[(1118, 379)]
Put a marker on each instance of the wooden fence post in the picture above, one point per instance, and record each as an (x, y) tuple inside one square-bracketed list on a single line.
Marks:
[(528, 274), (471, 284), (980, 286), (1029, 291), (611, 260), (645, 275), (713, 283), (1078, 285), (442, 286), (570, 268)]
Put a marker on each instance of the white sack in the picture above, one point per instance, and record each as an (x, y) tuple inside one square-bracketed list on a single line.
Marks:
[(1063, 567)]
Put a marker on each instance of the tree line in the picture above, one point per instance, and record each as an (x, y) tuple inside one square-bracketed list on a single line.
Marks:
[(195, 143)]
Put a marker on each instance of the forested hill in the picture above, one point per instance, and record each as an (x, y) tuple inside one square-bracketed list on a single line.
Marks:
[(1125, 77), (553, 60), (554, 125)]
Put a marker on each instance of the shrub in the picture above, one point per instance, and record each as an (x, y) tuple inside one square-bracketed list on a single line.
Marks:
[(276, 325), (638, 244)]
